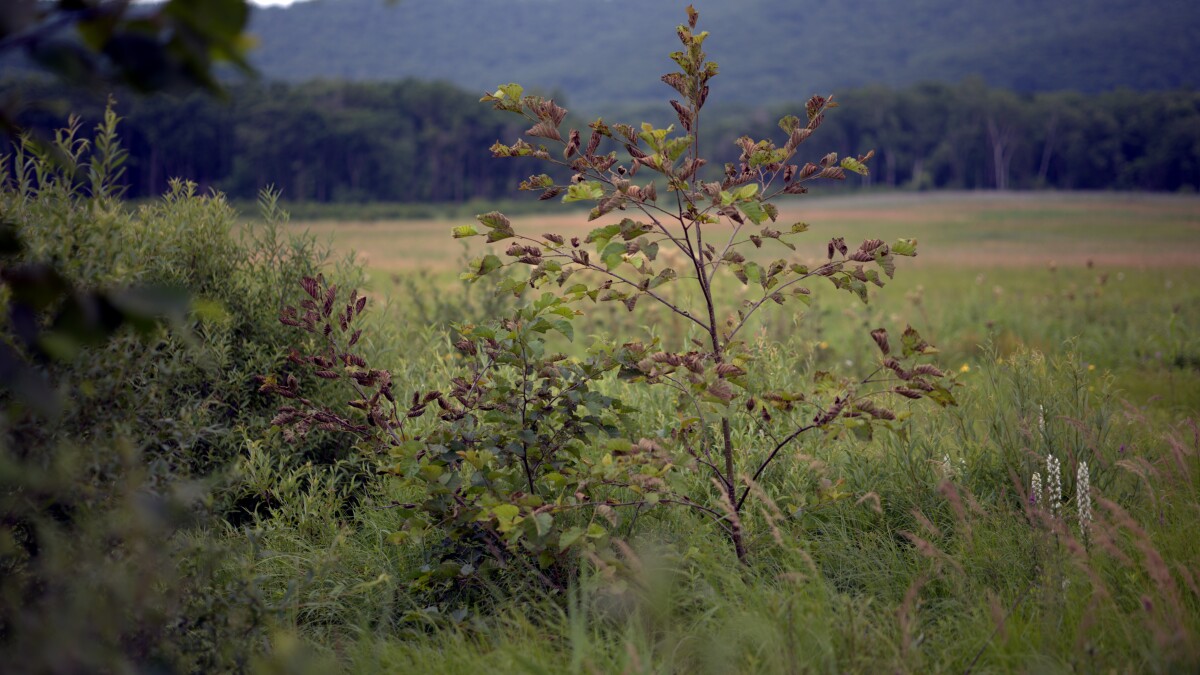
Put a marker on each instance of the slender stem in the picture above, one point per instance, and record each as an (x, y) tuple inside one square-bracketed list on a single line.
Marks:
[(1011, 609), (590, 265), (525, 418), (763, 467), (758, 303)]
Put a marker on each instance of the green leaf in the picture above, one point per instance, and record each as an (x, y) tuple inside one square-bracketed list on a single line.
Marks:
[(511, 91), (799, 227), (754, 211), (602, 235), (580, 192), (482, 266), (596, 531), (851, 164), (663, 277), (754, 272), (569, 537), (914, 344), (677, 146), (942, 397), (493, 220), (613, 255), (886, 262), (747, 191), (464, 231), (543, 522), (631, 229), (905, 247), (499, 227), (566, 328), (508, 511)]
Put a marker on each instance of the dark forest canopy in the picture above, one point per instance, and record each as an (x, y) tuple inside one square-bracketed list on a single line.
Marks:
[(415, 141), (600, 52)]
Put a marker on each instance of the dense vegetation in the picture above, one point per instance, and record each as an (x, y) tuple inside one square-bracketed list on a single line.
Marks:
[(780, 50), (426, 142), (164, 524), (168, 513)]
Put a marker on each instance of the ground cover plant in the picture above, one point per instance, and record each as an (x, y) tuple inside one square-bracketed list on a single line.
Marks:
[(174, 518)]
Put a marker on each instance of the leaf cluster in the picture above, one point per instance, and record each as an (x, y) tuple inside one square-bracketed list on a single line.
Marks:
[(526, 452)]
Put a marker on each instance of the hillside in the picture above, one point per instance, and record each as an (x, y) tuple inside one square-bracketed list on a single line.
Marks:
[(771, 50)]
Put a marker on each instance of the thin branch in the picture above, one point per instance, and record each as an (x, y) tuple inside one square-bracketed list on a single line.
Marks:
[(758, 303), (763, 467)]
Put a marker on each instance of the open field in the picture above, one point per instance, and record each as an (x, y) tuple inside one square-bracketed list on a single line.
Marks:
[(955, 230), (184, 509), (1072, 323), (1117, 274)]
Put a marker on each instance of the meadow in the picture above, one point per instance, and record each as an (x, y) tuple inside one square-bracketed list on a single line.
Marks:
[(170, 516), (1070, 321), (1114, 274)]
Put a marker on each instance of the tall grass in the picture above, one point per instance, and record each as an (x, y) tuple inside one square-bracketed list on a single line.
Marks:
[(917, 552)]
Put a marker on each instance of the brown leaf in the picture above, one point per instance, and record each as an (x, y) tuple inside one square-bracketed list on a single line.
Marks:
[(572, 144), (544, 129), (311, 287), (881, 338)]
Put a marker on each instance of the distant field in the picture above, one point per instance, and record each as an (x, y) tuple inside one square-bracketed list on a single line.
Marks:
[(954, 230), (1114, 277)]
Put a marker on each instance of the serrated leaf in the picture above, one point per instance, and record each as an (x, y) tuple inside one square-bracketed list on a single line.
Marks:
[(511, 91), (754, 211), (485, 265), (905, 247), (613, 255), (941, 396), (754, 272), (464, 231), (887, 263), (747, 191), (543, 522), (851, 164), (720, 391), (663, 277), (589, 191), (566, 328), (789, 124), (601, 235), (569, 538), (799, 227)]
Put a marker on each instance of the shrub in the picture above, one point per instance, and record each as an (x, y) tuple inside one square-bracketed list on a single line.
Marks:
[(529, 460), (126, 442)]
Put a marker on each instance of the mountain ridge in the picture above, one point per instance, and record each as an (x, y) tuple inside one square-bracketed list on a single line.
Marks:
[(771, 50)]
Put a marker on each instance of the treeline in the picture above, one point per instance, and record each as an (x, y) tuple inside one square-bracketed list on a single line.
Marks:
[(968, 136), (407, 141), (415, 141)]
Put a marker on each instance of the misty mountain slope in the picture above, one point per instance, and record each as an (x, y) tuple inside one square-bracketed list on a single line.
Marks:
[(611, 51)]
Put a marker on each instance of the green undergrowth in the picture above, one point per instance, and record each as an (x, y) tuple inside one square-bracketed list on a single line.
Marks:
[(915, 553), (164, 523), (924, 555)]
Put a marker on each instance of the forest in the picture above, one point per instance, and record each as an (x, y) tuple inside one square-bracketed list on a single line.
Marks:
[(415, 141), (781, 50)]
